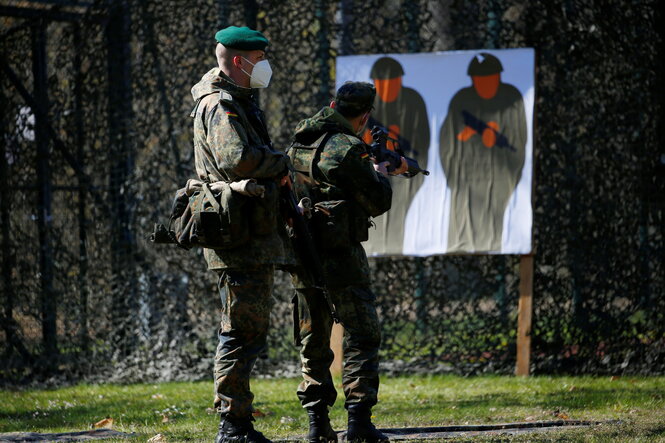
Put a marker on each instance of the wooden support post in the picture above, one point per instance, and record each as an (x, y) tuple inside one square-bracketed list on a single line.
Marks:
[(336, 339), (525, 311)]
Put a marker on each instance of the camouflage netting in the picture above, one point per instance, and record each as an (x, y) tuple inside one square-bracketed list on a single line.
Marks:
[(84, 294)]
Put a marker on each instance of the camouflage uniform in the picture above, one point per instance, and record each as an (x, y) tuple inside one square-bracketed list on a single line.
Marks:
[(344, 172), (231, 143)]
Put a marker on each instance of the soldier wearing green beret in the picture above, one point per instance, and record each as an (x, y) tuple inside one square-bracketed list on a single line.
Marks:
[(231, 143), (346, 188)]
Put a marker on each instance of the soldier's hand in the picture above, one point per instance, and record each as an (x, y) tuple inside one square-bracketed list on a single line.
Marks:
[(403, 167), (248, 187), (381, 168)]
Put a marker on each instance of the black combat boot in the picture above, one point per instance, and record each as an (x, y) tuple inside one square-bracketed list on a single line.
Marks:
[(320, 430), (361, 428), (238, 430)]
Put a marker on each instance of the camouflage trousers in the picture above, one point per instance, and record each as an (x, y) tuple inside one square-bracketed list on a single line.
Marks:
[(362, 339), (246, 297)]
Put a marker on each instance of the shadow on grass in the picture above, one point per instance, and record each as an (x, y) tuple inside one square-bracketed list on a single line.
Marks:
[(657, 431), (588, 399)]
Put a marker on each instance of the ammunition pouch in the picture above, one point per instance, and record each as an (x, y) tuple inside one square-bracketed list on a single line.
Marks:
[(359, 225), (330, 224), (338, 224)]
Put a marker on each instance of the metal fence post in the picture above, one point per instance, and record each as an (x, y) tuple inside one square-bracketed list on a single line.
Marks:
[(82, 193), (346, 40), (118, 34), (323, 53), (44, 194)]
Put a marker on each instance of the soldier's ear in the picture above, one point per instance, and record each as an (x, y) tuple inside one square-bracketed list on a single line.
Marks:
[(362, 123), (333, 104), (237, 61)]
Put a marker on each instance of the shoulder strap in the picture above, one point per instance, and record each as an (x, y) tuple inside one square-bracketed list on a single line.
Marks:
[(223, 96), (227, 100), (304, 157), (211, 198), (198, 103)]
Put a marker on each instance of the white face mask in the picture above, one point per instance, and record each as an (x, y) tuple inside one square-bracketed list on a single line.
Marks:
[(260, 77)]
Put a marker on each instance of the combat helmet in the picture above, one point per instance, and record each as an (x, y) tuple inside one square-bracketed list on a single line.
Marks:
[(386, 68), (484, 64)]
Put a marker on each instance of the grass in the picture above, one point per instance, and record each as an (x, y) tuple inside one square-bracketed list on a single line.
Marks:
[(180, 412)]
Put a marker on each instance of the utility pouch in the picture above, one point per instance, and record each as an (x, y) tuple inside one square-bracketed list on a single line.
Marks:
[(163, 234), (212, 221), (331, 224), (359, 224), (263, 213)]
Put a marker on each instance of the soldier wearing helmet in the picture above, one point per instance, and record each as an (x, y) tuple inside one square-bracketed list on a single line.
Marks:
[(482, 148)]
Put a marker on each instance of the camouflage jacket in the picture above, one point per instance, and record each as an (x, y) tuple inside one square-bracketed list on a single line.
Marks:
[(344, 172), (231, 142)]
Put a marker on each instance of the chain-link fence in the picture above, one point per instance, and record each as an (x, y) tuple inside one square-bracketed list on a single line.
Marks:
[(96, 138)]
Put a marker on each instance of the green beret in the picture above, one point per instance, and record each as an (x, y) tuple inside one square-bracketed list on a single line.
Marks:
[(243, 38)]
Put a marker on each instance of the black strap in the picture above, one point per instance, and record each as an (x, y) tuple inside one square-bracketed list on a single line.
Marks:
[(211, 197), (316, 147)]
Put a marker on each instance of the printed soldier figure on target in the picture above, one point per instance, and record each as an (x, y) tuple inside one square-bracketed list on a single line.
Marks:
[(482, 150), (401, 110)]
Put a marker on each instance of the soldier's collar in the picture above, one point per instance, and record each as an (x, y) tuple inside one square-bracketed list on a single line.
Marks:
[(227, 83), (333, 115)]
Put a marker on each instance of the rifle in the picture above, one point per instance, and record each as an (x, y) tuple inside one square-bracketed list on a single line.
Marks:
[(404, 144), (479, 126), (303, 243), (381, 153)]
